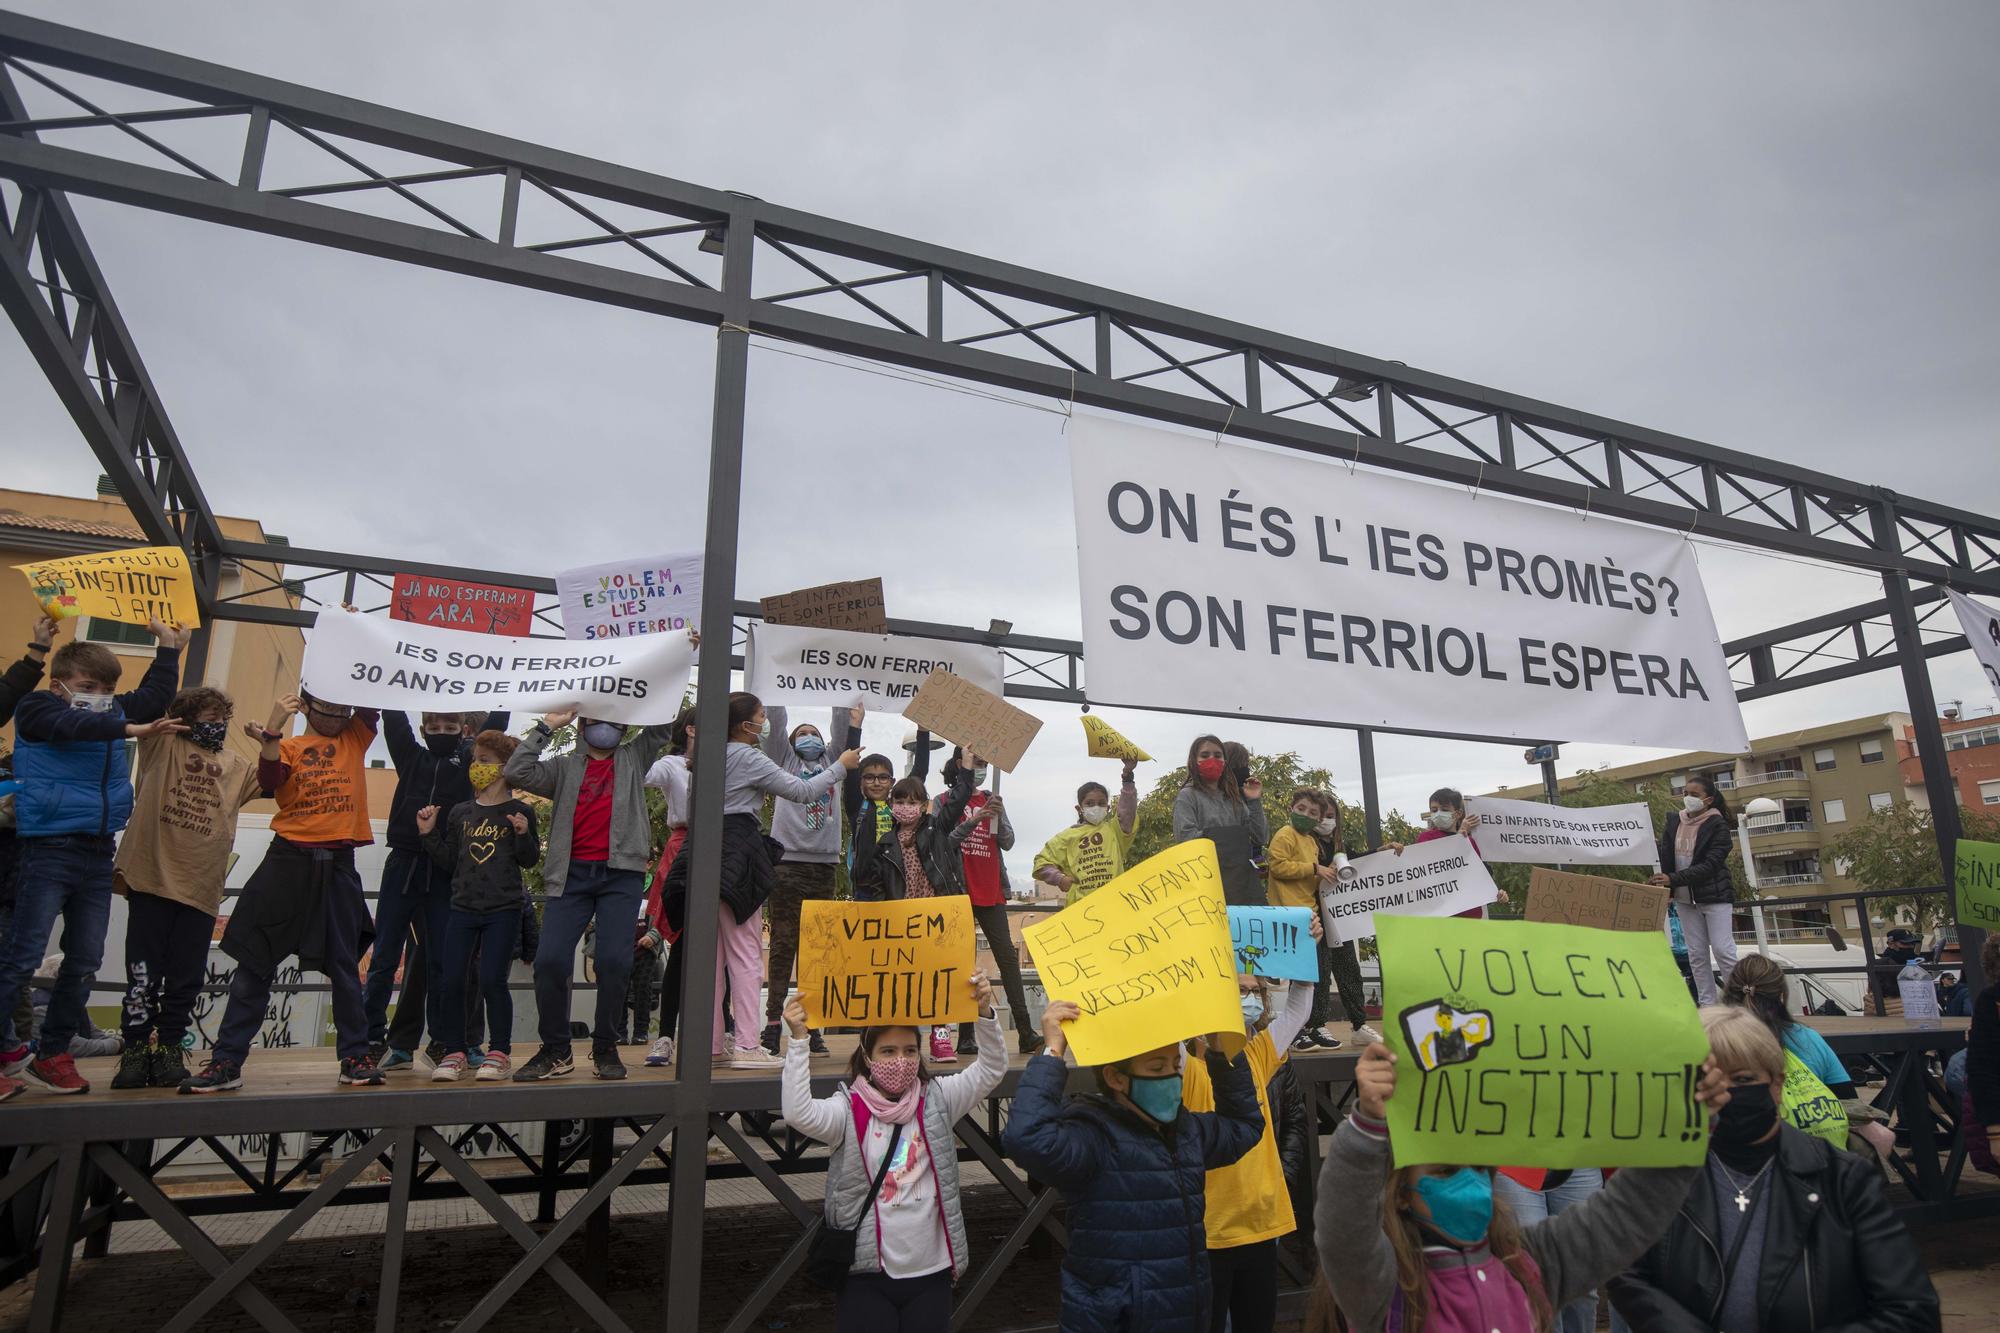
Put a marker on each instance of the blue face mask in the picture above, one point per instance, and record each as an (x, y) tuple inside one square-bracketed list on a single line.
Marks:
[(809, 748), (1159, 1098), (1253, 1009), (1461, 1203)]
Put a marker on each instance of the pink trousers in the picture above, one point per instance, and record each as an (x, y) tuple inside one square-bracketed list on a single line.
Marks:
[(740, 958)]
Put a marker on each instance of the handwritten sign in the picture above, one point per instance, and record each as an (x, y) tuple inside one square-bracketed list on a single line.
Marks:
[(1530, 1044), (855, 605), (1103, 741), (133, 586), (836, 668), (975, 718), (867, 964), (1274, 942), (1592, 900), (1435, 878), (1531, 832), (1976, 875), (484, 608), (1147, 957), (628, 598)]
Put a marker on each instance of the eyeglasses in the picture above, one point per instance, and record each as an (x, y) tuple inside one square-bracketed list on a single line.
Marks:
[(875, 777)]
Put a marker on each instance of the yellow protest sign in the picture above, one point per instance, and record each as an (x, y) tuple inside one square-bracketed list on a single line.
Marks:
[(1105, 742), (136, 585), (907, 961), (1148, 958)]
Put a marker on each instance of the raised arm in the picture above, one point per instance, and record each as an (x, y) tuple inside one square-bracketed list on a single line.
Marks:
[(778, 745), (1128, 802), (162, 679), (400, 737), (1291, 1020), (526, 770), (766, 776), (1237, 1122)]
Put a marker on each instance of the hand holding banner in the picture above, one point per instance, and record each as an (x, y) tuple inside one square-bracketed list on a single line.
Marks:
[(866, 964), (1534, 833), (1103, 741), (977, 719), (134, 586), (1147, 958), (1275, 942), (1435, 878), (1524, 1044)]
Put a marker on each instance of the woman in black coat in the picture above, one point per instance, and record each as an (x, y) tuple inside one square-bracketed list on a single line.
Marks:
[(1694, 863)]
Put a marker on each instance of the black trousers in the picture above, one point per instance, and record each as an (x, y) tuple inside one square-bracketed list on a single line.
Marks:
[(878, 1303), (166, 958), (1243, 1280)]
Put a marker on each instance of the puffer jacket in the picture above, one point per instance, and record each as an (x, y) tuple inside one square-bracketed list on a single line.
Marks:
[(1291, 1122), (943, 866), (427, 775), (1707, 877), (1137, 1245), (1835, 1255), (72, 765)]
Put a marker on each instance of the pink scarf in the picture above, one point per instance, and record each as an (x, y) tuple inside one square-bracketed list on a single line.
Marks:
[(897, 1111), (1690, 829)]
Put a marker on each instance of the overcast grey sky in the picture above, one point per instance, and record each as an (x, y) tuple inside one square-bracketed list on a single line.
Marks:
[(1766, 226)]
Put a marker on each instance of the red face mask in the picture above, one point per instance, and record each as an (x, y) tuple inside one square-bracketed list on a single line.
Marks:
[(1210, 769)]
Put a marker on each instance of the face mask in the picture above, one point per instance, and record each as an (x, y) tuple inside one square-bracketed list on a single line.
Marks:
[(1304, 823), (1692, 804), (1749, 1116), (1093, 814), (603, 735), (1159, 1098), (764, 732), (1253, 1009), (1210, 769), (809, 748), (326, 724), (906, 812), (979, 772), (484, 776), (442, 743), (893, 1075), (1461, 1203), (1326, 828), (208, 735), (1441, 820), (88, 702)]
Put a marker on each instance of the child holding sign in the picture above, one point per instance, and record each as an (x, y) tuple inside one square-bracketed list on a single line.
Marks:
[(1091, 852), (1132, 1165), (1427, 1247), (890, 1128), (919, 859), (982, 834)]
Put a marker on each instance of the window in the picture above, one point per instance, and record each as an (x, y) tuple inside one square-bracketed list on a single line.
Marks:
[(1871, 752), (1833, 812), (1880, 800), (1989, 792), (1843, 866), (1676, 783), (1822, 760), (1962, 740), (98, 630)]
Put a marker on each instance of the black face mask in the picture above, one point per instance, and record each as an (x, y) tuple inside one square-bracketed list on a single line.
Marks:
[(1748, 1117), (1241, 773), (442, 744)]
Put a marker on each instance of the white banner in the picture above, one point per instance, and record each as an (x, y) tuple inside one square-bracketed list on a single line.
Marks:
[(627, 598), (801, 666), (1231, 579), (1982, 631), (374, 663), (1435, 878), (1533, 833)]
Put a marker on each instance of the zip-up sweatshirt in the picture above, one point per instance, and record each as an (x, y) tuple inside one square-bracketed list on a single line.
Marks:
[(71, 763), (809, 831), (559, 779)]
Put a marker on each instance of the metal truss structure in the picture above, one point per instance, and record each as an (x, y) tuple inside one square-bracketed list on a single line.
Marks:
[(132, 125)]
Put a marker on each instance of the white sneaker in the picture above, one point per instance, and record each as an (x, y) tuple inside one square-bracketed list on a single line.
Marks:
[(755, 1058), (448, 1069), (660, 1053), (1366, 1036)]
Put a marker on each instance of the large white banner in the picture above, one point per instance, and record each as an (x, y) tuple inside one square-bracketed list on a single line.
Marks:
[(374, 663), (801, 666), (1533, 833), (1225, 578), (1982, 631), (631, 597), (1435, 878)]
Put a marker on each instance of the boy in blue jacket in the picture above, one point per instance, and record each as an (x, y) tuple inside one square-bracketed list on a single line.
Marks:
[(76, 794), (1131, 1164)]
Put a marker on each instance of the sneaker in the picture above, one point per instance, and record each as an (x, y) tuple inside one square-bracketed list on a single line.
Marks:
[(56, 1074), (166, 1067), (770, 1042), (395, 1062), (11, 1088), (604, 1063), (378, 1051), (1323, 1042), (817, 1044), (549, 1062), (1031, 1043), (1366, 1036), (660, 1053), (942, 1051), (215, 1076), (449, 1068), (360, 1071), (754, 1058), (14, 1061), (427, 1059), (967, 1046), (474, 1057), (495, 1067), (135, 1068), (1306, 1043)]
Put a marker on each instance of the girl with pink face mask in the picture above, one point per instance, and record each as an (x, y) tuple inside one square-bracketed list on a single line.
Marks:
[(892, 1121), (919, 860)]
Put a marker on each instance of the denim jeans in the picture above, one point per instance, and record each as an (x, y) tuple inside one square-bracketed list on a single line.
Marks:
[(493, 935), (68, 876), (1532, 1206), (414, 901), (592, 889)]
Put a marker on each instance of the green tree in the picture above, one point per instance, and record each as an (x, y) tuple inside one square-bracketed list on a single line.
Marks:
[(1282, 774), (1896, 848)]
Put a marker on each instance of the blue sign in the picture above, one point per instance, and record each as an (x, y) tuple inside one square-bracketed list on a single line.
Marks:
[(1275, 942)]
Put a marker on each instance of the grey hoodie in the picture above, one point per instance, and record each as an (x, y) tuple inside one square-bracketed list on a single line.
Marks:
[(560, 777), (809, 831)]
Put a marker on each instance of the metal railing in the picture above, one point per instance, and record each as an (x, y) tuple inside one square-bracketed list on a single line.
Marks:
[(1780, 881), (1790, 826), (1779, 775)]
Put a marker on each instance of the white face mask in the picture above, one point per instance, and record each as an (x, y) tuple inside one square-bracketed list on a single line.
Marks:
[(1442, 820), (1094, 814), (1326, 828), (1692, 804), (89, 702)]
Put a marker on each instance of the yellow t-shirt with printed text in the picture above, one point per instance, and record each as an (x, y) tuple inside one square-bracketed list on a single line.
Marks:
[(1247, 1200)]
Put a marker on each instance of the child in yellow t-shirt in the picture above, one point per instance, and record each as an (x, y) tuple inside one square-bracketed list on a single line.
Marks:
[(1091, 852)]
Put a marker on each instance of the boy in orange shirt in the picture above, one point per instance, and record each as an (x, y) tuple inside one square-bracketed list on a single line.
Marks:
[(305, 898)]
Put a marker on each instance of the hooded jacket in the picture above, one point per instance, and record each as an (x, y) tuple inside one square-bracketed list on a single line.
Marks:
[(427, 775), (561, 777), (808, 830), (72, 765), (1706, 878), (936, 850)]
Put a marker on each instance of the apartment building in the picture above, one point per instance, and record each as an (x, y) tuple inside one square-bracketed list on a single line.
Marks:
[(1972, 747)]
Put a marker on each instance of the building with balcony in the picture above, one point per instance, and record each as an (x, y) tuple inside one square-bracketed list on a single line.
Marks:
[(1972, 746)]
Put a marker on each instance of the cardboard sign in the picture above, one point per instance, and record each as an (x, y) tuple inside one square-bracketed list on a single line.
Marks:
[(866, 964), (977, 719), (1103, 741), (1528, 1044), (1435, 878), (484, 608), (1591, 900), (628, 598), (1976, 878), (133, 586), (837, 668), (856, 605), (1275, 942), (373, 663), (1147, 958), (1535, 833)]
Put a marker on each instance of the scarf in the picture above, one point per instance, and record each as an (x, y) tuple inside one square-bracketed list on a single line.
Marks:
[(915, 883), (895, 1111), (1689, 831)]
